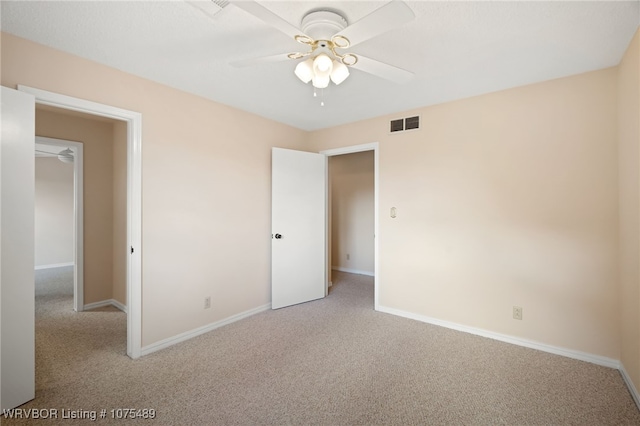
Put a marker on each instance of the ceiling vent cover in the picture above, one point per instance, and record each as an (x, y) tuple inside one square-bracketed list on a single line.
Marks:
[(210, 7), (221, 3), (402, 124)]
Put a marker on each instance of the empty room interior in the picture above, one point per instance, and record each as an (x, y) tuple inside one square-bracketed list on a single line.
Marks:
[(478, 177)]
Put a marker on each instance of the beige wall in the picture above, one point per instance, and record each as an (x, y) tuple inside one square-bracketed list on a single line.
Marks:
[(352, 212), (629, 168), (205, 184), (53, 212), (504, 199), (97, 140)]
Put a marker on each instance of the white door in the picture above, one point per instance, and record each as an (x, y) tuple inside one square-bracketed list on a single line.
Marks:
[(298, 212), (17, 166)]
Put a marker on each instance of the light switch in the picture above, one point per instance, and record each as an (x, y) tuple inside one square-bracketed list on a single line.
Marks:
[(393, 212)]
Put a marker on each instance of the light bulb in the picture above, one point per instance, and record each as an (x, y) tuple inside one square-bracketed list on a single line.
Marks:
[(322, 64)]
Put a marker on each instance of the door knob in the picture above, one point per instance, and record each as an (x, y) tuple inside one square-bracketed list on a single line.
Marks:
[(278, 236)]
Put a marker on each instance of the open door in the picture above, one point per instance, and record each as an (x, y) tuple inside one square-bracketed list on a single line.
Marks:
[(298, 224), (17, 292)]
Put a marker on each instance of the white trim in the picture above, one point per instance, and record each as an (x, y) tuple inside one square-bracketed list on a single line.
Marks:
[(327, 230), (53, 265), (134, 198), (109, 302), (163, 344), (569, 353), (373, 146), (353, 271), (119, 305), (632, 389), (78, 214)]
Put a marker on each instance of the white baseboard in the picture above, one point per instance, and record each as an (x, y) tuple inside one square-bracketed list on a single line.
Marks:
[(162, 344), (352, 271), (109, 302), (119, 305), (54, 265), (630, 385), (582, 356)]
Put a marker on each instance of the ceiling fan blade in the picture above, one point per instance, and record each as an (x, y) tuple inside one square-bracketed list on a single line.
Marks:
[(257, 61), (390, 16), (382, 70), (256, 9)]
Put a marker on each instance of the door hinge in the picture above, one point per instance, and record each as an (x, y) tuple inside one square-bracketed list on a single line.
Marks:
[(131, 249)]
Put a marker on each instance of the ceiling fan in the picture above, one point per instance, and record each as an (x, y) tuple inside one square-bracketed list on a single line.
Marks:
[(66, 155), (327, 35)]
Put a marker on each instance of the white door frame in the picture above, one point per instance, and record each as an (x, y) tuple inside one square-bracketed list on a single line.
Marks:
[(376, 173), (78, 216), (134, 199)]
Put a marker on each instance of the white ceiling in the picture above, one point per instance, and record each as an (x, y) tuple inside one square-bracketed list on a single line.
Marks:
[(456, 49)]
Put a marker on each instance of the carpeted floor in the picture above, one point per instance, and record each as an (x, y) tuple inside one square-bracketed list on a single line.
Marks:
[(330, 362)]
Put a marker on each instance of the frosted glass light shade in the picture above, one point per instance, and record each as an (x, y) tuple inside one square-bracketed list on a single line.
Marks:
[(321, 70), (340, 72), (322, 64), (304, 70), (320, 81), (322, 67)]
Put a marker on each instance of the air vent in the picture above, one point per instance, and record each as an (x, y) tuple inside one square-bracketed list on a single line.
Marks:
[(397, 125), (209, 7), (222, 3), (412, 123), (402, 124)]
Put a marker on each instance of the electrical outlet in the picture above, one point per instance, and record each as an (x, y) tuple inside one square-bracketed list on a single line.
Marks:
[(517, 312), (207, 302), (348, 256)]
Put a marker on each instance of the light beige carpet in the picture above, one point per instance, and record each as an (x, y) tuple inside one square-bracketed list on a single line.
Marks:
[(330, 362)]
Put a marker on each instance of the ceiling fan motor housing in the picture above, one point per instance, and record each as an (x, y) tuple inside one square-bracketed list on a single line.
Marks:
[(323, 24)]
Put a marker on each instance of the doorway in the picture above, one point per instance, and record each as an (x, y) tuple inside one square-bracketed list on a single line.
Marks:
[(352, 212), (52, 148), (350, 150), (133, 124)]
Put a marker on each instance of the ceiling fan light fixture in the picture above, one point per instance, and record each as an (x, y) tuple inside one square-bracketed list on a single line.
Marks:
[(320, 81), (339, 73), (322, 67), (66, 156), (304, 70)]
